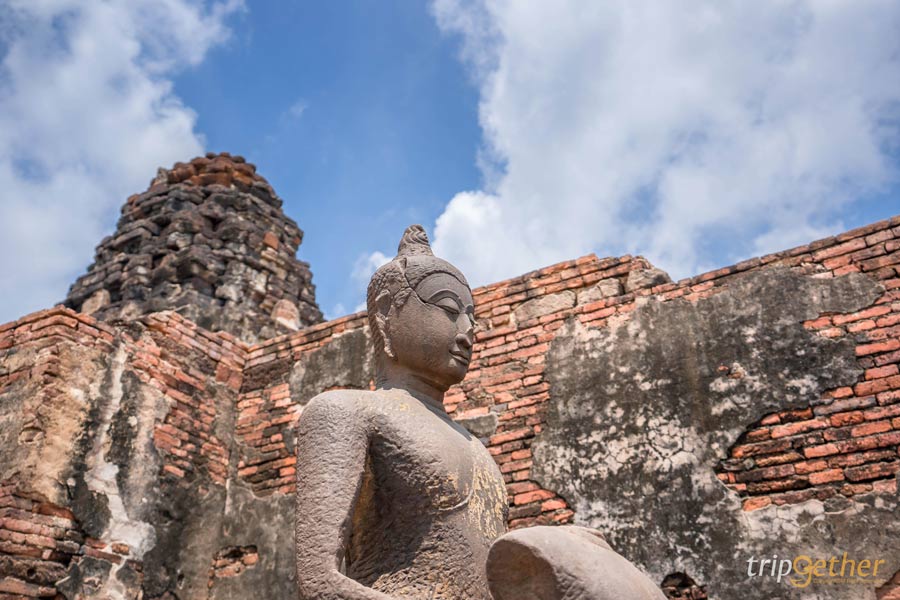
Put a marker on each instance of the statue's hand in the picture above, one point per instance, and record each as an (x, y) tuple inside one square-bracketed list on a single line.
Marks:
[(553, 563)]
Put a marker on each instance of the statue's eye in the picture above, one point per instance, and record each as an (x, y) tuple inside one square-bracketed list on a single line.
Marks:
[(448, 306)]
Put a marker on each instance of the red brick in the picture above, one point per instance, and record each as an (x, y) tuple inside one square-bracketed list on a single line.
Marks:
[(886, 486), (120, 548), (850, 489), (832, 332), (63, 320), (517, 488), (847, 418), (882, 412), (509, 436), (803, 495), (798, 427), (551, 505), (872, 471), (846, 404), (854, 459), (810, 466), (877, 386), (11, 585), (270, 240), (113, 558), (776, 472), (529, 497), (821, 450), (861, 326), (819, 323), (880, 262), (889, 320), (519, 465), (828, 476), (756, 503), (54, 511), (756, 449), (886, 398), (877, 347), (772, 419), (777, 459), (869, 313), (173, 470), (879, 372), (854, 244), (868, 443), (881, 236), (870, 428), (774, 485)]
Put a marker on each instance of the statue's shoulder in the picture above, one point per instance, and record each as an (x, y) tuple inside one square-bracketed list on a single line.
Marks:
[(372, 406), (342, 402), (346, 407)]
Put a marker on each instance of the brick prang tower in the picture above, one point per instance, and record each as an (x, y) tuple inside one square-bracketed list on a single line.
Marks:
[(209, 240)]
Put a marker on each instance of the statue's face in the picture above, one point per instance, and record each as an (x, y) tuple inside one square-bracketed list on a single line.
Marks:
[(433, 332)]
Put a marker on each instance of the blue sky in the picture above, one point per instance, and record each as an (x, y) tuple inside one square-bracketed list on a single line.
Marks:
[(518, 134), (365, 124)]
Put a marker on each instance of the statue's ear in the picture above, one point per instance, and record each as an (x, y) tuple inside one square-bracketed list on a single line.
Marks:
[(382, 313)]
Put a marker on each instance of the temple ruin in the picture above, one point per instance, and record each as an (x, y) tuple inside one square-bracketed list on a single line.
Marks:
[(146, 424)]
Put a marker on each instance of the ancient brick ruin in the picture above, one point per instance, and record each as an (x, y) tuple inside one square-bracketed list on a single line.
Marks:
[(209, 240), (749, 411)]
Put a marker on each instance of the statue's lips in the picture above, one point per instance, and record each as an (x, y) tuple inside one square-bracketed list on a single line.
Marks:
[(461, 357)]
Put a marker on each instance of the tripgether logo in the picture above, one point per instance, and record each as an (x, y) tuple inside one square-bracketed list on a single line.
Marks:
[(803, 570)]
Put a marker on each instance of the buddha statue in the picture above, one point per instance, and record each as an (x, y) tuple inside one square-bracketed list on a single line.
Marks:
[(397, 501)]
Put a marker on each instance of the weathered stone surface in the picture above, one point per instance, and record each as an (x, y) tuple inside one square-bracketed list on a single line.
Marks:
[(643, 411), (394, 499), (602, 289), (481, 426), (209, 240), (344, 363), (562, 563), (544, 305), (645, 278)]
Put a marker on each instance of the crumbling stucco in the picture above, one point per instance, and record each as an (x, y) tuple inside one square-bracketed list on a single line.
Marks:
[(641, 414), (342, 363)]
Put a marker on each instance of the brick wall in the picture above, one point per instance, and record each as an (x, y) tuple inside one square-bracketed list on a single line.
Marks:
[(230, 408), (182, 361), (845, 442), (208, 237), (39, 536), (48, 363)]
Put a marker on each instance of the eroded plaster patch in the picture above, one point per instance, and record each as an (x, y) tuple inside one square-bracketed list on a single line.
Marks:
[(642, 411)]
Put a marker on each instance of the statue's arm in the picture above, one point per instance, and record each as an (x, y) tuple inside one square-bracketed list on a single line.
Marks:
[(332, 442)]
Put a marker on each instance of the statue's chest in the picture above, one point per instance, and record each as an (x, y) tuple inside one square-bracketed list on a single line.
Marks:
[(424, 461)]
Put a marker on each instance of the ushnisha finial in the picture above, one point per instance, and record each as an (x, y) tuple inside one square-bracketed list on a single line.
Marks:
[(414, 242)]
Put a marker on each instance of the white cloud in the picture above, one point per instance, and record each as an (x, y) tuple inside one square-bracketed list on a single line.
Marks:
[(366, 265), (694, 133), (338, 310), (297, 109), (87, 114), (363, 269)]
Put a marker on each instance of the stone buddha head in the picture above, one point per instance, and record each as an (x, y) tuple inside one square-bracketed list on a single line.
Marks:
[(421, 315)]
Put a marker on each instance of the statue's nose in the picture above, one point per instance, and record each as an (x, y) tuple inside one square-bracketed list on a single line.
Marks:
[(464, 339)]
